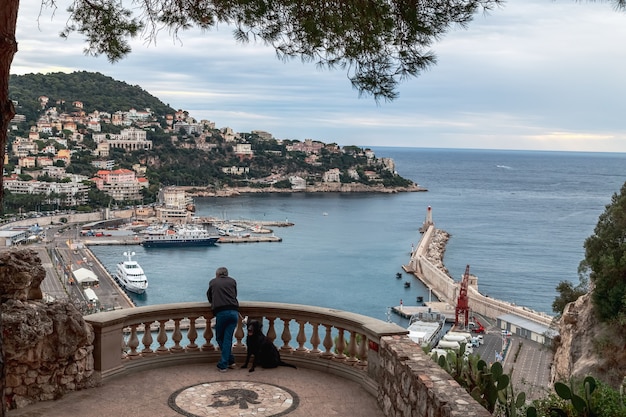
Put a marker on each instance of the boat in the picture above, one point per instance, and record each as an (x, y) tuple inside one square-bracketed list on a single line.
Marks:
[(182, 235), (228, 230), (426, 327), (130, 275)]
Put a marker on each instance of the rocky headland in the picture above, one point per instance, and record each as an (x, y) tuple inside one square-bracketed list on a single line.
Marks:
[(321, 188)]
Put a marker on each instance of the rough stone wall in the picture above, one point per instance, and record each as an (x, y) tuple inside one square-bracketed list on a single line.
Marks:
[(48, 347), (412, 385)]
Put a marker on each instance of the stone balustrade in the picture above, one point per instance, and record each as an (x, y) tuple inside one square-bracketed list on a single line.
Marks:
[(376, 354), (331, 340)]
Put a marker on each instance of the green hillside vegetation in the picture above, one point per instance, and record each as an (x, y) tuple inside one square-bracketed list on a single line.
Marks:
[(177, 157), (96, 91)]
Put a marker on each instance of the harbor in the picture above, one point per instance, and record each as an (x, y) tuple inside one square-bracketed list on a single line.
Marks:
[(75, 274), (181, 282)]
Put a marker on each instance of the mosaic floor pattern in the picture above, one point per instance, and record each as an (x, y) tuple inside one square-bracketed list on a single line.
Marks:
[(233, 398)]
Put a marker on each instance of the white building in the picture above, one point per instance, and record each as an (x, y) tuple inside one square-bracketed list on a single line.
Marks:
[(332, 175), (66, 193)]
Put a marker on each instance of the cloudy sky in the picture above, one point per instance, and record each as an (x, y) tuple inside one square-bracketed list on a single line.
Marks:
[(535, 74)]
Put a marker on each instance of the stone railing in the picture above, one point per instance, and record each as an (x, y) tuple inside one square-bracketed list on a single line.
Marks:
[(325, 339), (373, 353)]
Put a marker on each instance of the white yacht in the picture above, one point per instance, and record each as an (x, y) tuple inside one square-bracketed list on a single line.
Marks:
[(130, 275)]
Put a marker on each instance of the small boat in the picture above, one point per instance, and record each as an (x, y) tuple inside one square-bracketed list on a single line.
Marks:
[(407, 284), (131, 276), (426, 327), (398, 275), (228, 230)]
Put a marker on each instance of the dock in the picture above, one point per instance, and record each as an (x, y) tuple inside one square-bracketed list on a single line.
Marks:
[(134, 240), (248, 239), (444, 308)]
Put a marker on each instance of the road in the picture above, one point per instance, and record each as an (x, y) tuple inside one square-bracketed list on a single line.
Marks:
[(58, 259)]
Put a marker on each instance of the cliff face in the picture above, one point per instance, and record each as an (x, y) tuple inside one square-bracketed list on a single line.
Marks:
[(587, 347), (47, 346)]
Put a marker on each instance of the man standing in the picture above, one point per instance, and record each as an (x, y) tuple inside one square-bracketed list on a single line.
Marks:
[(222, 294)]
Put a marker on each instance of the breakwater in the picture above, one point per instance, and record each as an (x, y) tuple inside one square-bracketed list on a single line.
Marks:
[(434, 275)]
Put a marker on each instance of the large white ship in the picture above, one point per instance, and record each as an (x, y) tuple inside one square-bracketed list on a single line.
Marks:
[(130, 275), (179, 235)]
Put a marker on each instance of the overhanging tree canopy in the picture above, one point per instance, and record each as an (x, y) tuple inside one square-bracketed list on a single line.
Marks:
[(378, 42)]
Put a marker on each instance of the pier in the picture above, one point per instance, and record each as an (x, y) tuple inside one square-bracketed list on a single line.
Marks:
[(447, 290), (442, 307), (248, 239)]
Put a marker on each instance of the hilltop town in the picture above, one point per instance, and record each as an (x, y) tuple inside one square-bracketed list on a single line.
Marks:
[(66, 153)]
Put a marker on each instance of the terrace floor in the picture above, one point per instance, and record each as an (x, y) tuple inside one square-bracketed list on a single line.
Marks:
[(199, 390)]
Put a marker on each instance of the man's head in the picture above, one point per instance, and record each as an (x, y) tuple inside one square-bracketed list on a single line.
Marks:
[(221, 272)]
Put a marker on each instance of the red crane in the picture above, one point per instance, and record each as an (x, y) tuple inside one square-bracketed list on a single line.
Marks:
[(462, 303)]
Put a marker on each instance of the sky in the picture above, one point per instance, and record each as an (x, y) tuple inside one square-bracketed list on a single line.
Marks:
[(531, 75)]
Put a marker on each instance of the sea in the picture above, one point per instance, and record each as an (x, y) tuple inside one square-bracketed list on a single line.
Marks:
[(519, 219)]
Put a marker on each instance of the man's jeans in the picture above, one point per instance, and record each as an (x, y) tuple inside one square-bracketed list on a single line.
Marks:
[(225, 325)]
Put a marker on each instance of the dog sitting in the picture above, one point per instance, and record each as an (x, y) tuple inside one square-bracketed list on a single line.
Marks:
[(265, 354)]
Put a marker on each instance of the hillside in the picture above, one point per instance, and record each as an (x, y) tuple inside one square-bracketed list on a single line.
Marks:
[(96, 91)]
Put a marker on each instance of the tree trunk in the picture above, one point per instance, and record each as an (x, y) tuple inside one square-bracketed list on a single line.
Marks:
[(8, 48)]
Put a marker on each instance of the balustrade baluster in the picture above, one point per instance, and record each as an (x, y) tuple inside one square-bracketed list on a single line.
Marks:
[(133, 342), (147, 340), (315, 339), (363, 351), (162, 338), (124, 346), (239, 334), (352, 349), (286, 336), (192, 335), (341, 345), (301, 337), (328, 343), (271, 331), (208, 336), (177, 336)]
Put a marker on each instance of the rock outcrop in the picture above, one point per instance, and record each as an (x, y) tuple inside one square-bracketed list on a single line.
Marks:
[(334, 187), (48, 347), (437, 249), (587, 347)]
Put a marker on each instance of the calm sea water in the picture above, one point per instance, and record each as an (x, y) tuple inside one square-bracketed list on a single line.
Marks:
[(518, 218)]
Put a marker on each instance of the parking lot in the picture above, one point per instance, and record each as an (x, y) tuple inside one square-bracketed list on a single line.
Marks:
[(527, 362)]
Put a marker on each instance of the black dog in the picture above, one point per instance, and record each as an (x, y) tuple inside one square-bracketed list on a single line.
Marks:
[(265, 354)]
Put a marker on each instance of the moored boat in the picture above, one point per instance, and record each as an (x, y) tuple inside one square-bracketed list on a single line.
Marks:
[(130, 275), (184, 235)]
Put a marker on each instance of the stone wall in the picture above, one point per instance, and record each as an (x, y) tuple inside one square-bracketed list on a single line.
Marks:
[(48, 347), (412, 385)]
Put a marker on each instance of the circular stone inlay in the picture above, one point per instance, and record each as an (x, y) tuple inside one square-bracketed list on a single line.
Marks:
[(233, 398)]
